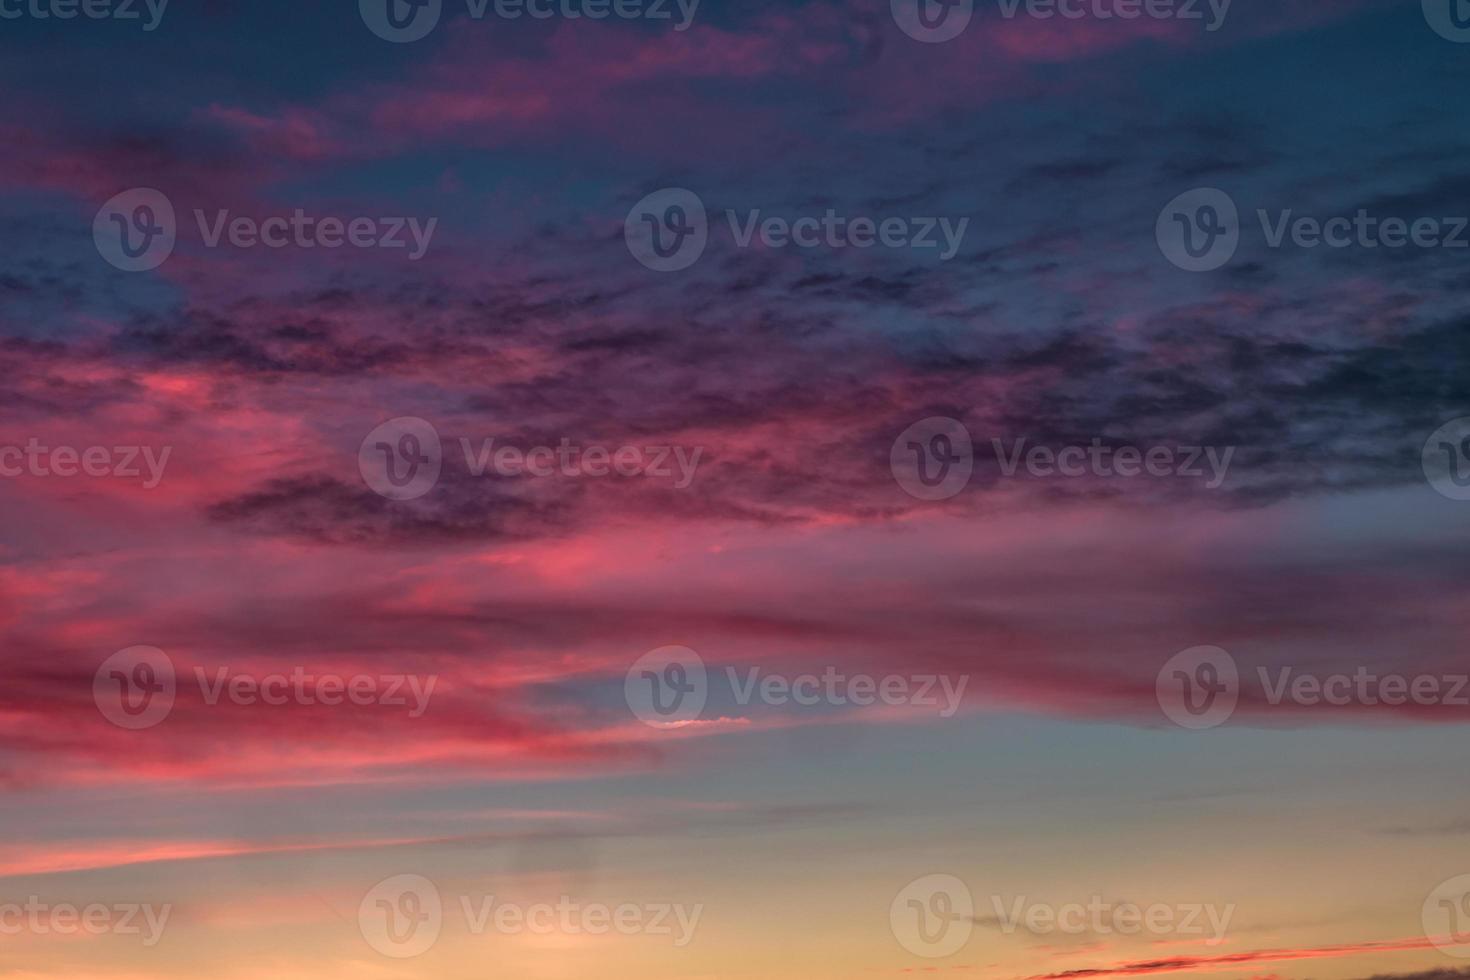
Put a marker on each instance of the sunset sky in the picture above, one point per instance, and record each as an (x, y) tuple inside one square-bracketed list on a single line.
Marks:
[(499, 625)]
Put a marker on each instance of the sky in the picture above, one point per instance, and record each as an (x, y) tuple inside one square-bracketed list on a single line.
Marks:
[(783, 490)]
